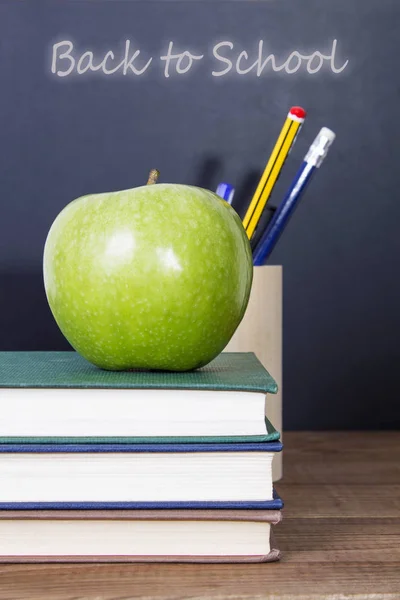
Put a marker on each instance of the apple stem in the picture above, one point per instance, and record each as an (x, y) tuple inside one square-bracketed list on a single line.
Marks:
[(153, 176)]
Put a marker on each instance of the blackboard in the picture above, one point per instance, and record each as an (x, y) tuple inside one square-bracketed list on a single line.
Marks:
[(64, 136)]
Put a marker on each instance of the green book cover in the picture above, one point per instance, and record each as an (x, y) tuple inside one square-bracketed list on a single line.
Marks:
[(230, 371), (238, 372)]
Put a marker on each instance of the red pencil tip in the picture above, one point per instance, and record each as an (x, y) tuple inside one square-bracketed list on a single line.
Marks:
[(298, 112)]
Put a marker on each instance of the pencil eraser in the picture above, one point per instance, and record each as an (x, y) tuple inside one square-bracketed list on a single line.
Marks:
[(320, 146), (298, 112), (328, 133)]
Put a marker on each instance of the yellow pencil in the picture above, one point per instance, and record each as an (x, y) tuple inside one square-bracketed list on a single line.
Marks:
[(274, 166)]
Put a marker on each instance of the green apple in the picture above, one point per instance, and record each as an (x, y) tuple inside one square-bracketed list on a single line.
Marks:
[(155, 277)]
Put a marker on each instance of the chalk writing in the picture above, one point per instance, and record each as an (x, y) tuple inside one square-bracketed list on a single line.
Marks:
[(312, 62), (66, 60), (180, 58), (85, 62)]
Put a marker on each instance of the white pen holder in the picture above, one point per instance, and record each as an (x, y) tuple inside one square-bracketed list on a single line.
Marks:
[(261, 332)]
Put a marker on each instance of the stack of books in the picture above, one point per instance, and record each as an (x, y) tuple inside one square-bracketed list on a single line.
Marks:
[(132, 466)]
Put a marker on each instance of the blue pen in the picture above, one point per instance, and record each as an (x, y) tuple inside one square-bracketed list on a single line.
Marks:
[(226, 191), (313, 159)]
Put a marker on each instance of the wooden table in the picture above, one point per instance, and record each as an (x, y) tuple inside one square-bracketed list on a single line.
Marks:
[(340, 538)]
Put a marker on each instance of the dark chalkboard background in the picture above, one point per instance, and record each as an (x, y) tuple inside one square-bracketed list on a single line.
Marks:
[(61, 138)]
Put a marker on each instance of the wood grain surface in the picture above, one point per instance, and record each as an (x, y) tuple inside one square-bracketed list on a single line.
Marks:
[(340, 538)]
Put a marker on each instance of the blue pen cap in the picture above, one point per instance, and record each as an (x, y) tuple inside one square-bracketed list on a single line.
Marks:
[(226, 191)]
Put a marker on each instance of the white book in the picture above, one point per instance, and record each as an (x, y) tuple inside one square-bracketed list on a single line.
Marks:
[(124, 473), (50, 396), (44, 413), (120, 536)]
